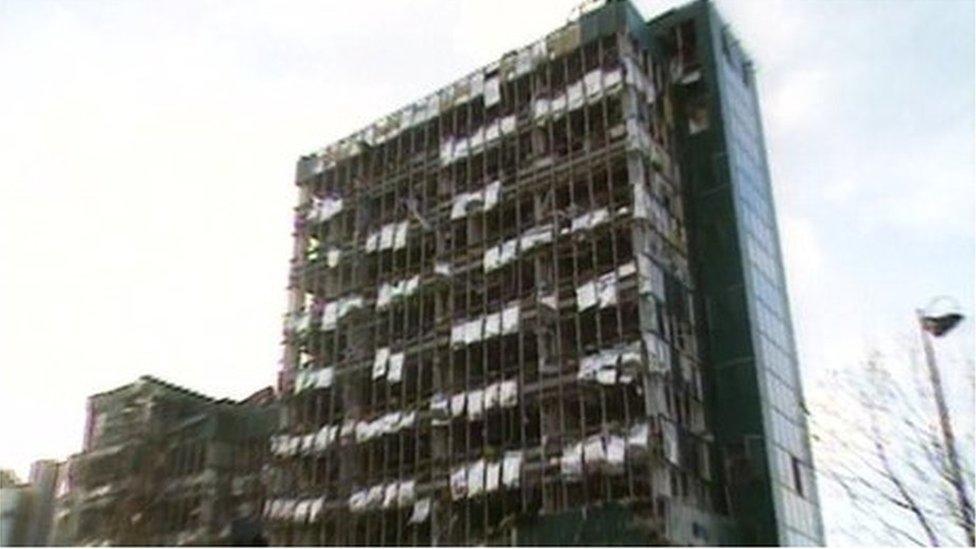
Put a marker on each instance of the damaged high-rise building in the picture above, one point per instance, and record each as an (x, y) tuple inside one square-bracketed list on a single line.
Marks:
[(546, 305)]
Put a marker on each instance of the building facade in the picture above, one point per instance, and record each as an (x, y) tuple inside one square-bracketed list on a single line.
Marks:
[(162, 465), (27, 507), (749, 340), (528, 309), (43, 481), (15, 509)]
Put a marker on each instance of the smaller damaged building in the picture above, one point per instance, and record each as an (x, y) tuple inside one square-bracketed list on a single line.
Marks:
[(164, 465)]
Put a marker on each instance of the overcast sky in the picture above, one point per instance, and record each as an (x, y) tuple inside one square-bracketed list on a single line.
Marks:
[(147, 154)]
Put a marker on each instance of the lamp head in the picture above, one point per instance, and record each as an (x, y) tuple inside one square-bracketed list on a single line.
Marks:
[(940, 325)]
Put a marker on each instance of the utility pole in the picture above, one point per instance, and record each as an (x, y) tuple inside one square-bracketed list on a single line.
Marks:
[(938, 326)]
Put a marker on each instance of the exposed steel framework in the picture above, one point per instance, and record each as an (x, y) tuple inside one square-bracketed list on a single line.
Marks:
[(490, 315)]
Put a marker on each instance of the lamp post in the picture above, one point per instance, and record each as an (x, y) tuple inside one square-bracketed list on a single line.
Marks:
[(937, 325)]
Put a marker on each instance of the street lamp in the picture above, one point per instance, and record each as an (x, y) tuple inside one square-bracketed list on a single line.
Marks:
[(939, 322), (932, 323)]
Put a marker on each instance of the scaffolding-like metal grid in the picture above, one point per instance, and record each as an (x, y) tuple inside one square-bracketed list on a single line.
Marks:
[(490, 310)]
